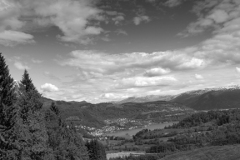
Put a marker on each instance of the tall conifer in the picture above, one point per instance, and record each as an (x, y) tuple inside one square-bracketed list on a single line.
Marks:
[(8, 136), (96, 150), (65, 142), (30, 103)]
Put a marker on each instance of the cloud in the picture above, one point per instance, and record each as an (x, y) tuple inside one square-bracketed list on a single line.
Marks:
[(139, 19), (4, 5), (120, 31), (112, 96), (238, 69), (11, 38), (36, 61), (100, 76), (20, 66), (51, 76), (157, 72), (74, 18), (198, 76), (47, 87), (118, 19), (150, 1), (94, 62), (173, 3), (213, 14), (147, 81), (141, 73), (112, 13)]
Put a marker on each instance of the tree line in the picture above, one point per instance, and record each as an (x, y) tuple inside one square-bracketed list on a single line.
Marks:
[(29, 132)]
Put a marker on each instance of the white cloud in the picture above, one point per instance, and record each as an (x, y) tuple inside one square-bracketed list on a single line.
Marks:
[(144, 72), (20, 66), (238, 69), (126, 63), (51, 76), (218, 15), (71, 17), (147, 81), (36, 61), (139, 19), (4, 5), (173, 3), (118, 19), (120, 31), (198, 76), (47, 87), (11, 38), (105, 76), (157, 72), (112, 96)]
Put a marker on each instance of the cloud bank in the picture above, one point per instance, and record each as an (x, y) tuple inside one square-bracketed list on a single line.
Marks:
[(74, 18), (170, 72)]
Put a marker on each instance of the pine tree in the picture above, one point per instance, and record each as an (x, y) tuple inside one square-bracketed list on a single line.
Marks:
[(9, 147), (77, 148), (65, 142), (31, 114), (96, 150), (27, 82)]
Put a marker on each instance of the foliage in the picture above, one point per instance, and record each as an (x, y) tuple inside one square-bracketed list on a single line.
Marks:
[(141, 157), (27, 131), (216, 117), (35, 138), (96, 150), (8, 111), (65, 142)]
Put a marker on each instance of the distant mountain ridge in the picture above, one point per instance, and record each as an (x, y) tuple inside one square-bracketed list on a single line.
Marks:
[(94, 114), (211, 98), (203, 99), (149, 106), (149, 98)]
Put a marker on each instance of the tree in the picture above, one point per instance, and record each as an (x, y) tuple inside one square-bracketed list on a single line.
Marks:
[(8, 136), (96, 150), (32, 116), (27, 82), (64, 140)]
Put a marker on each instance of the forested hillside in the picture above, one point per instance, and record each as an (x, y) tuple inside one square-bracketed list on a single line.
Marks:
[(229, 152), (29, 132), (223, 98), (95, 114), (199, 136)]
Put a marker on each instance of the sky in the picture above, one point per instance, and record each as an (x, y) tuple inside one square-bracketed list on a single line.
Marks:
[(108, 50)]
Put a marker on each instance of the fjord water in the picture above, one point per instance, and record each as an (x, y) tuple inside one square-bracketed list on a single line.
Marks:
[(134, 131)]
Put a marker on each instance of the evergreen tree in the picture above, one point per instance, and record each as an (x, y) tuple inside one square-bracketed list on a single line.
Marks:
[(96, 150), (8, 129), (31, 114), (77, 148), (65, 142), (27, 82)]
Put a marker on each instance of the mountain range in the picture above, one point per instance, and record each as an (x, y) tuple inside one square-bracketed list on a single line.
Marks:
[(205, 99), (150, 107)]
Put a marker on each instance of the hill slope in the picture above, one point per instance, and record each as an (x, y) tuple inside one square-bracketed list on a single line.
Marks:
[(149, 98), (95, 114), (230, 152), (210, 99)]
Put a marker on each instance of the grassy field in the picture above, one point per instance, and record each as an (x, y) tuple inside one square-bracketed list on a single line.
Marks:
[(230, 152)]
